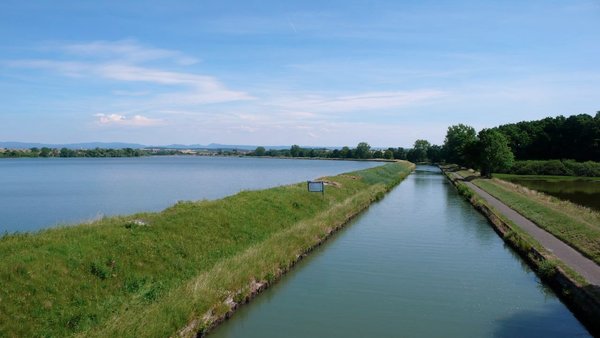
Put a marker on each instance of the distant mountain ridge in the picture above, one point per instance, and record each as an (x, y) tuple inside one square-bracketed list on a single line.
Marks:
[(87, 145), (122, 145)]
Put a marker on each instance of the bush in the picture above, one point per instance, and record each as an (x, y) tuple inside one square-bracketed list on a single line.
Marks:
[(464, 191), (555, 168), (547, 268), (589, 168)]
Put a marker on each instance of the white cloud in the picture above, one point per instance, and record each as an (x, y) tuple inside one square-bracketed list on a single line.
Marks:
[(122, 120), (126, 50), (201, 89), (130, 92), (154, 94), (357, 102), (121, 61)]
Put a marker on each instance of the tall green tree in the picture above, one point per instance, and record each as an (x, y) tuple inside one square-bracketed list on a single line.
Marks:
[(400, 153), (260, 151), (494, 152), (363, 150), (295, 150), (346, 152), (434, 153), (45, 152), (457, 141), (419, 151)]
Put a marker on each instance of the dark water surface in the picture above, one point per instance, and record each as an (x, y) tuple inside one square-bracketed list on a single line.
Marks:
[(420, 263), (582, 192), (43, 192)]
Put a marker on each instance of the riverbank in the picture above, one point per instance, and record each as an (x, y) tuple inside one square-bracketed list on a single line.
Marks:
[(178, 271), (582, 297), (549, 178), (577, 226)]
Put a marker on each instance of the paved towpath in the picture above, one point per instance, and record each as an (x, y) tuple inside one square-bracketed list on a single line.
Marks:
[(583, 265)]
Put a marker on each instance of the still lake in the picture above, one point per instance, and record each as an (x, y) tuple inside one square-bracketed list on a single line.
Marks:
[(45, 192), (584, 191)]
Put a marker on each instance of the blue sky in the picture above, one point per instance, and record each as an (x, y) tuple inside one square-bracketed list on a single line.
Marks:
[(282, 72)]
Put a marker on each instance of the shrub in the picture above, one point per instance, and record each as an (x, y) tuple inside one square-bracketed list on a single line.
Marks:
[(555, 168), (547, 268), (464, 191)]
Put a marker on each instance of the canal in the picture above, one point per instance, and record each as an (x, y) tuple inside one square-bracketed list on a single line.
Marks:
[(420, 263)]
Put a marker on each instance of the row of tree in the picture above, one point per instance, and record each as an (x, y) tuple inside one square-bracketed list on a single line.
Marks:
[(576, 137), (362, 151), (66, 152), (422, 151)]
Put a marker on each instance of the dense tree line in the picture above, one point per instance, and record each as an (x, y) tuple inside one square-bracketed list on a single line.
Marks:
[(362, 151), (551, 146), (422, 151), (576, 137)]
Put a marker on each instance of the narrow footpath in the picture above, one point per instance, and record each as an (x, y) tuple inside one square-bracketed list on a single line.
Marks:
[(581, 264)]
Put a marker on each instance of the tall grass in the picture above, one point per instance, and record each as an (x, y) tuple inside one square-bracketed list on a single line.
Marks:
[(575, 225), (151, 274)]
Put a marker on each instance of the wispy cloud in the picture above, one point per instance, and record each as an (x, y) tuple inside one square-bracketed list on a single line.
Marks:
[(124, 62), (122, 120), (358, 102), (126, 50)]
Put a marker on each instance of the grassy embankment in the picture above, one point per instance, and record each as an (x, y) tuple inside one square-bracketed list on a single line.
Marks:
[(548, 178), (154, 274), (577, 226)]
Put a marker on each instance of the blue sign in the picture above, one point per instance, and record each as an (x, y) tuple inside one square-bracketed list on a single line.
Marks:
[(316, 186)]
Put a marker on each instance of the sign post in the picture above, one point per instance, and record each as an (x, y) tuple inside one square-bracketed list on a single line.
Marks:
[(316, 186)]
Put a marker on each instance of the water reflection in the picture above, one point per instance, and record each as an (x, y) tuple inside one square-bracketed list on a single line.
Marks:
[(550, 321), (582, 192)]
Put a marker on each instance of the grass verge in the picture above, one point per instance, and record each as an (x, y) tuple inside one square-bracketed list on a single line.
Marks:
[(577, 226), (177, 271), (548, 178)]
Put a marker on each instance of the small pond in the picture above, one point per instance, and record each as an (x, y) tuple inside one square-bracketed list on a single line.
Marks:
[(585, 192)]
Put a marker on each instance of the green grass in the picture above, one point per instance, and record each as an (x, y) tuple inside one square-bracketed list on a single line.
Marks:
[(151, 274), (546, 177), (577, 226)]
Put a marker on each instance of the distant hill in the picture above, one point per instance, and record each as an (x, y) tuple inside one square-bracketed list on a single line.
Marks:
[(88, 145), (121, 145)]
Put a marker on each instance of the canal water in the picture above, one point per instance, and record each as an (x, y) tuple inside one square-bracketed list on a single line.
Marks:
[(420, 263)]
